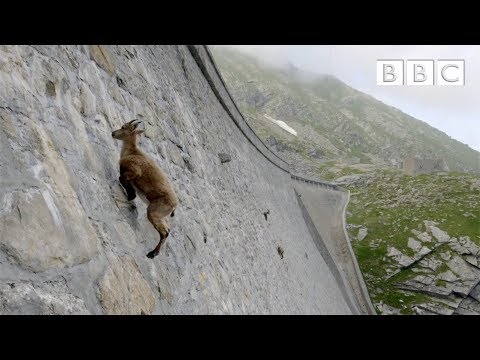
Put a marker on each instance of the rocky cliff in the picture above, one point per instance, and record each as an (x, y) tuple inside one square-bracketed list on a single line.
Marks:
[(71, 243)]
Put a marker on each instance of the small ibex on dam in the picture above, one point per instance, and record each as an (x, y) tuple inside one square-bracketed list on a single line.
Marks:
[(140, 174)]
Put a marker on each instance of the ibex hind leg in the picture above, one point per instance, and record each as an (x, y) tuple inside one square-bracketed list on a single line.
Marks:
[(156, 212)]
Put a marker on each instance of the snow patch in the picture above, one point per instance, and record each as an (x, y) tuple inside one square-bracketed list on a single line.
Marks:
[(282, 124)]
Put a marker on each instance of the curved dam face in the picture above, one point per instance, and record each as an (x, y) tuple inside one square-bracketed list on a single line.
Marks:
[(323, 208), (71, 243)]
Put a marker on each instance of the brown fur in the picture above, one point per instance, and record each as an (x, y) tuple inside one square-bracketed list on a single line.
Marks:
[(139, 172)]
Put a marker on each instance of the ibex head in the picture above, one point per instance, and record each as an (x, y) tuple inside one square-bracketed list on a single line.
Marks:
[(127, 130)]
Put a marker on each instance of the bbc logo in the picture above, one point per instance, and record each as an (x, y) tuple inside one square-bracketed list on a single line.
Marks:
[(421, 72)]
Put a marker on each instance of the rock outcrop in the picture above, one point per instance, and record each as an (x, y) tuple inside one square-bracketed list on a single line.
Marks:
[(448, 272)]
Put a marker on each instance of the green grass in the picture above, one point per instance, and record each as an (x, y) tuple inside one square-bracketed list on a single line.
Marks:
[(390, 215), (404, 300)]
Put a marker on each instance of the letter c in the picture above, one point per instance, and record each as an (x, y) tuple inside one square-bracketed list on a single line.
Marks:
[(443, 73)]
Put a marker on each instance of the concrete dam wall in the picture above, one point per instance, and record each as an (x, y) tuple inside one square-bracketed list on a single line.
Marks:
[(71, 243)]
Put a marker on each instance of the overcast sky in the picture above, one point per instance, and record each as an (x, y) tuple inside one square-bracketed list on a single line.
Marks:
[(453, 109)]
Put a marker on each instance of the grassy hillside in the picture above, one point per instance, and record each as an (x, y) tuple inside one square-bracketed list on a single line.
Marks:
[(393, 208)]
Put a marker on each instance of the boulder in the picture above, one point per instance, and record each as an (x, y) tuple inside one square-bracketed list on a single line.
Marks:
[(122, 290)]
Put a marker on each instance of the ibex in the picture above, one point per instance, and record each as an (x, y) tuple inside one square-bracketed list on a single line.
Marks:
[(140, 174)]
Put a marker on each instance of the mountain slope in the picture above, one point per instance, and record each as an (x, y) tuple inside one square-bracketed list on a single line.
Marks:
[(333, 120)]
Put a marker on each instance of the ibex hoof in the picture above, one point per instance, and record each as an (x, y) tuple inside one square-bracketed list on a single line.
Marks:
[(152, 254)]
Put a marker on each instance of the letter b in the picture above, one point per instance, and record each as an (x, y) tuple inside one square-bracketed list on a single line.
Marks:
[(389, 72), (419, 72)]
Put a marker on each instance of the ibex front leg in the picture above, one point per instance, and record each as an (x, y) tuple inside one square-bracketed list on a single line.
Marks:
[(126, 176)]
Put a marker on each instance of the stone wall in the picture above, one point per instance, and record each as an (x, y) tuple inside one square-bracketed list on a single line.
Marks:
[(70, 242), (416, 166)]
